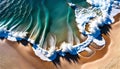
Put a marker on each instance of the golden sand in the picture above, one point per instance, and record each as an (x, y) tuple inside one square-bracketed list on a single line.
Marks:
[(111, 60), (14, 55)]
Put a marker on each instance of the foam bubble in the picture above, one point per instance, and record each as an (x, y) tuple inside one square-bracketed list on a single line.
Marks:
[(100, 13)]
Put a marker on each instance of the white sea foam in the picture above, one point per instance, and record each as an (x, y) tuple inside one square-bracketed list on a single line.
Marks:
[(100, 13), (115, 8), (11, 38), (99, 42)]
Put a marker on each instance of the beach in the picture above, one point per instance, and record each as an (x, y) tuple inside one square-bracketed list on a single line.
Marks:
[(14, 55), (111, 60)]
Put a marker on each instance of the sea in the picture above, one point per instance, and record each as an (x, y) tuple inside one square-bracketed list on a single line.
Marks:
[(55, 27)]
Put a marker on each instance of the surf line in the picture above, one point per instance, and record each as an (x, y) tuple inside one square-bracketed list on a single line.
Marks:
[(99, 11), (101, 18)]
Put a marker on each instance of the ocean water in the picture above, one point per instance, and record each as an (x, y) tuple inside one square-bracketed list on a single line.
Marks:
[(55, 26)]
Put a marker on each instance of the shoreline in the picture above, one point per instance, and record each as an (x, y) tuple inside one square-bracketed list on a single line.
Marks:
[(22, 57), (111, 60)]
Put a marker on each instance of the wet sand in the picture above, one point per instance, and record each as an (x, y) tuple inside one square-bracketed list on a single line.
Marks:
[(111, 60), (14, 55)]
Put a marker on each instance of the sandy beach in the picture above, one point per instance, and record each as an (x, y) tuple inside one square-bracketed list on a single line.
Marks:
[(111, 60), (14, 55)]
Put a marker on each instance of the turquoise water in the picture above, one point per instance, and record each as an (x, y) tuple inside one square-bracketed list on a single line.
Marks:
[(38, 17), (52, 27)]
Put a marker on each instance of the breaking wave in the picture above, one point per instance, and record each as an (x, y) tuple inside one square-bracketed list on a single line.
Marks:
[(56, 27)]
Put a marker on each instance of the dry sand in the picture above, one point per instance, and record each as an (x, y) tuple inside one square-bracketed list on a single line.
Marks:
[(17, 56), (111, 60)]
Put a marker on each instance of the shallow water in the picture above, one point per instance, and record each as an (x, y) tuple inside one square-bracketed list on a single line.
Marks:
[(52, 24), (38, 18)]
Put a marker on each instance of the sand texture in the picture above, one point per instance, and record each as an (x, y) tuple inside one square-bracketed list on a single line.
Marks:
[(14, 55)]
